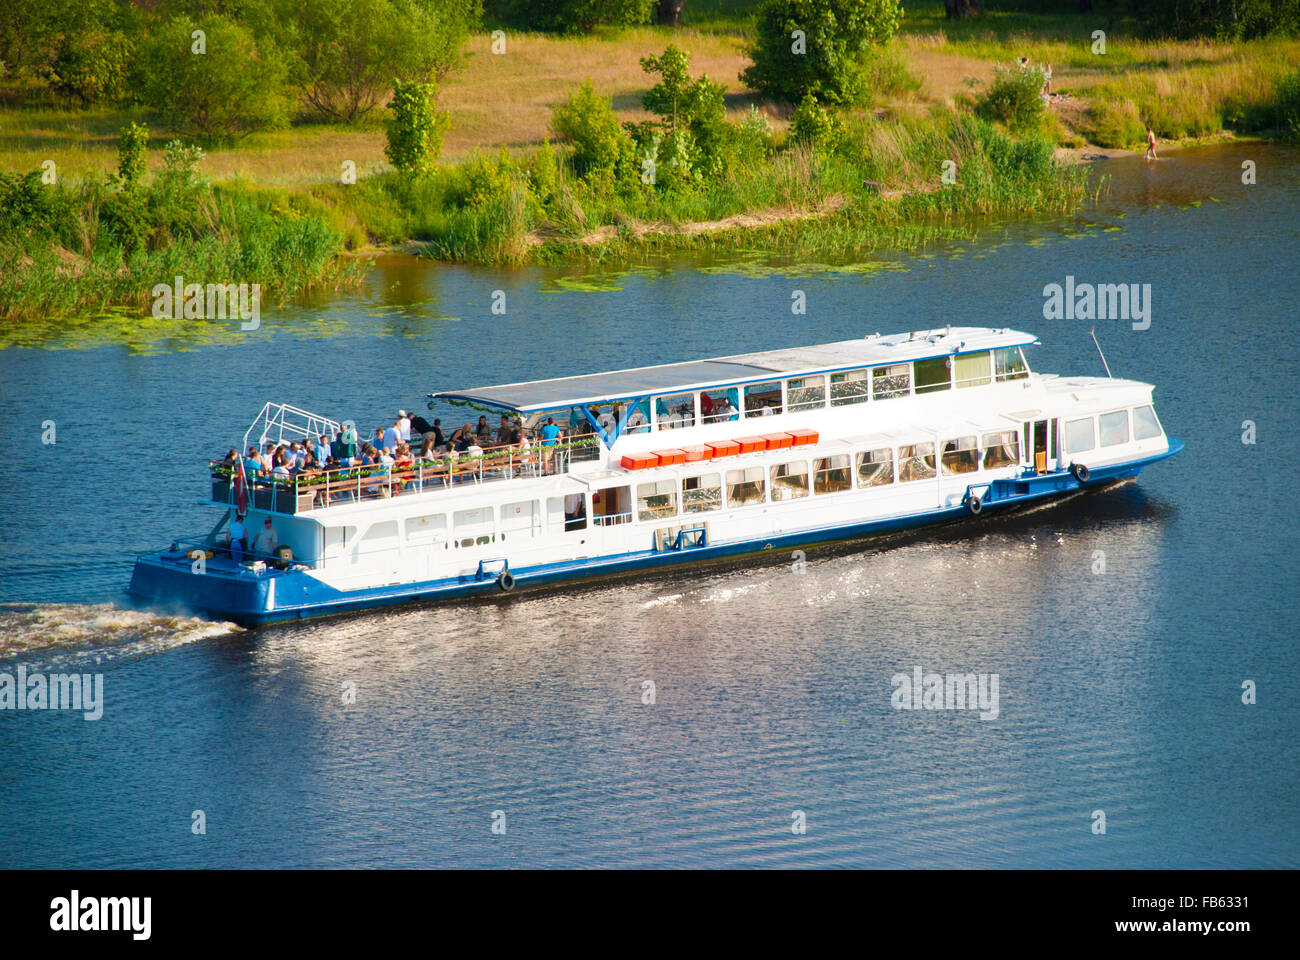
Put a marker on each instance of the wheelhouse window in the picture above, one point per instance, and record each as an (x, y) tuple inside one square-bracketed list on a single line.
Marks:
[(1145, 424), (805, 393), (849, 386), (568, 512), (657, 500), (702, 494), (1001, 449), (916, 462), (745, 487), (789, 480), (1113, 428), (972, 369), (1079, 435), (875, 467), (933, 374), (894, 380), (961, 455), (1009, 364), (611, 506), (763, 399), (832, 474), (674, 411), (717, 406)]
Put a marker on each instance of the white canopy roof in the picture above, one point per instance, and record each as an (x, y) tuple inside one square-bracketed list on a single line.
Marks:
[(638, 382)]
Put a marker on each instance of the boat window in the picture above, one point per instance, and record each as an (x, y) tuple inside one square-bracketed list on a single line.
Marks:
[(1079, 436), (805, 393), (1113, 428), (421, 531), (831, 474), (933, 374), (674, 411), (1009, 364), (701, 494), (961, 455), (656, 500), (719, 405), (638, 417), (568, 512), (337, 540), (849, 386), (1001, 449), (916, 462), (520, 519), (1145, 424), (892, 381), (611, 506), (972, 369), (763, 399), (470, 525), (745, 486), (789, 480), (875, 467)]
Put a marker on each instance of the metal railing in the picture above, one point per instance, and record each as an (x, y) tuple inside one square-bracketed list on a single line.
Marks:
[(317, 489)]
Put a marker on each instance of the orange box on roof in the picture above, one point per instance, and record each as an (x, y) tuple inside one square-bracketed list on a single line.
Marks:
[(752, 444), (640, 461), (778, 441), (804, 436), (723, 448), (669, 457), (697, 453)]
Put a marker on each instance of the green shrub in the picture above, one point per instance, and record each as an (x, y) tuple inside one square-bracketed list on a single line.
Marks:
[(1286, 106), (131, 143), (89, 65), (831, 61), (813, 124), (1015, 97), (568, 16), (603, 153), (415, 129)]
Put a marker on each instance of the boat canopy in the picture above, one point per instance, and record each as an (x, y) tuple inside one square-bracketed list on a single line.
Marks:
[(637, 382)]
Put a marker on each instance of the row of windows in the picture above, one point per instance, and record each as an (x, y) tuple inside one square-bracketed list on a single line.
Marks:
[(1111, 429), (815, 392)]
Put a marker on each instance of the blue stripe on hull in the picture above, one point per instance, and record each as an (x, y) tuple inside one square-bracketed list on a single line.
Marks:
[(232, 593)]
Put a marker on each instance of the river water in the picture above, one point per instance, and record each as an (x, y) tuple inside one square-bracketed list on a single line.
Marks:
[(1120, 691)]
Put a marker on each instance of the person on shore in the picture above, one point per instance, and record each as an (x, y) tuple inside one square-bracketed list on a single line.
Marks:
[(1047, 89), (266, 541), (1151, 143), (238, 538)]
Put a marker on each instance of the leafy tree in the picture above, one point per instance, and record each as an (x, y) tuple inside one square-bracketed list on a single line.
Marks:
[(131, 144), (234, 87), (818, 47), (415, 128), (603, 153), (569, 16), (347, 53), (685, 106), (89, 65), (813, 124)]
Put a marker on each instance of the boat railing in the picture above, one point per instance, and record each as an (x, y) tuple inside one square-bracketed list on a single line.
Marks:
[(317, 489)]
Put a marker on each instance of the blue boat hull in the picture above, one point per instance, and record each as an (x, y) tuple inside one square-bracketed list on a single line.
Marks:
[(229, 592)]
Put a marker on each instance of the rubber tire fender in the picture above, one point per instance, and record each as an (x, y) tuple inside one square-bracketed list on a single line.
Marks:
[(1080, 472), (506, 582), (974, 504)]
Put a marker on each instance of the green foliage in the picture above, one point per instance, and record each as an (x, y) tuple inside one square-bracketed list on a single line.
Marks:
[(692, 114), (27, 206), (1014, 98), (831, 57), (568, 16), (603, 153), (131, 144), (233, 88), (813, 124), (89, 65), (415, 129), (1236, 20), (1286, 106), (345, 54)]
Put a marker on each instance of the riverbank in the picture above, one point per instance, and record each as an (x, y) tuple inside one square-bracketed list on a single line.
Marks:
[(913, 168)]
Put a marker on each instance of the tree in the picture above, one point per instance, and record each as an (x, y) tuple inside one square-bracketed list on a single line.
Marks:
[(818, 47), (570, 16), (415, 128), (131, 143), (89, 65), (693, 113), (603, 153), (959, 9), (217, 85)]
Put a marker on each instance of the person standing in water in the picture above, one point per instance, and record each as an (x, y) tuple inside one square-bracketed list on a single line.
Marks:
[(1151, 143)]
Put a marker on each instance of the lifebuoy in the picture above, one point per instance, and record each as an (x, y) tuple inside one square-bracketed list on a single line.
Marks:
[(1080, 472), (974, 504), (506, 582)]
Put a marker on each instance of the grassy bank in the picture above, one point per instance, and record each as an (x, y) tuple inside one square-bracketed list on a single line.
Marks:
[(271, 208)]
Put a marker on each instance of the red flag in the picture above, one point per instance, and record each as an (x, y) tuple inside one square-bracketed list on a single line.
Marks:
[(241, 490)]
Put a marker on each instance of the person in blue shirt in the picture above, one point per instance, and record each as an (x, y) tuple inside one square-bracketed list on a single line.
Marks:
[(392, 437), (550, 437), (321, 450)]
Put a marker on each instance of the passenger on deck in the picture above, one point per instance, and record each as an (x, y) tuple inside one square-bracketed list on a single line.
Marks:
[(428, 449), (377, 440), (706, 407), (439, 438), (505, 432), (266, 541), (636, 421), (404, 426), (550, 437), (606, 421), (237, 537), (462, 439), (392, 436), (252, 464), (281, 468), (321, 449), (725, 411), (232, 458), (483, 432)]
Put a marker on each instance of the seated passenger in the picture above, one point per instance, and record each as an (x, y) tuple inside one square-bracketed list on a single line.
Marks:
[(725, 411), (483, 432), (505, 432), (636, 421)]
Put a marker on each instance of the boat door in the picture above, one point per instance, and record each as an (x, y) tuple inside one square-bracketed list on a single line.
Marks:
[(1036, 452)]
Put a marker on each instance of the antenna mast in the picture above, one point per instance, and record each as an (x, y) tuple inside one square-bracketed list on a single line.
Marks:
[(1093, 331)]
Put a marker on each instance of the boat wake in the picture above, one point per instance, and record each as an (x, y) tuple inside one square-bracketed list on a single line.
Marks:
[(99, 630)]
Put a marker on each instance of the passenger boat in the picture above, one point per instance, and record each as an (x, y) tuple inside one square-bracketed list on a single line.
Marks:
[(665, 465)]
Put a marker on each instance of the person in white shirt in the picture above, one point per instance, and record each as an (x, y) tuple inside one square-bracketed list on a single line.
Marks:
[(404, 425), (238, 538), (636, 422), (266, 541), (607, 422)]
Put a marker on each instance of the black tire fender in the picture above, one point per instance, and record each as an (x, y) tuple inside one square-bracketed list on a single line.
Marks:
[(974, 504), (506, 582), (1080, 472)]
